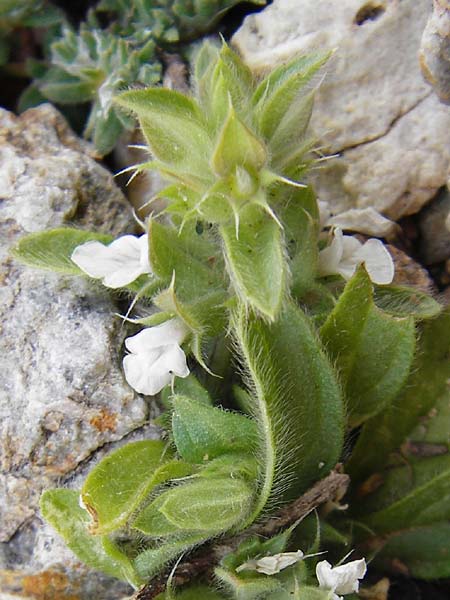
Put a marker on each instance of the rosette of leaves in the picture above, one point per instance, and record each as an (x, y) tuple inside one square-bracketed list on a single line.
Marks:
[(316, 371), (93, 66)]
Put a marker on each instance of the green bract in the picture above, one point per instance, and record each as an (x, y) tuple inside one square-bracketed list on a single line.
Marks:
[(295, 371)]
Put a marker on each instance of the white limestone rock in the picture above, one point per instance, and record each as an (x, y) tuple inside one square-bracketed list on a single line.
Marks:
[(373, 108), (62, 392), (435, 50)]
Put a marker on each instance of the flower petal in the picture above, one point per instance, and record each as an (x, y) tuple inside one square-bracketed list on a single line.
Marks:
[(348, 576), (140, 374), (350, 245), (118, 264), (325, 576), (343, 579), (172, 360), (172, 331), (92, 258), (330, 257), (378, 261), (144, 256), (270, 565)]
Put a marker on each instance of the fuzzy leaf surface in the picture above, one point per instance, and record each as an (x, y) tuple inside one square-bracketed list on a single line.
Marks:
[(237, 146), (276, 96), (256, 262), (405, 302), (205, 431), (372, 350), (248, 586), (187, 386), (52, 249), (61, 509), (204, 505), (153, 560), (305, 443), (116, 487), (173, 127), (426, 384)]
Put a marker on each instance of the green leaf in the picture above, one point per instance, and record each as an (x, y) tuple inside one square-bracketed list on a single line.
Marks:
[(237, 146), (424, 551), (247, 586), (153, 560), (410, 496), (195, 592), (173, 127), (255, 261), (405, 302), (191, 256), (276, 97), (60, 87), (231, 465), (289, 375), (118, 485), (372, 350), (204, 432), (52, 249), (204, 505), (289, 140), (107, 130), (187, 386), (300, 218), (425, 386), (61, 509)]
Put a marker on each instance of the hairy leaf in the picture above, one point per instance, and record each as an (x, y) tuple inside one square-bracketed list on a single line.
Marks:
[(117, 486), (173, 127), (372, 350), (410, 496), (204, 505), (426, 384), (61, 509), (153, 560), (237, 146), (405, 302), (255, 261), (204, 432), (296, 402), (52, 249)]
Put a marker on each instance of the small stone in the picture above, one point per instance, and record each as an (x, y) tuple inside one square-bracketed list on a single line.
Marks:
[(435, 50), (373, 107), (434, 244), (410, 273)]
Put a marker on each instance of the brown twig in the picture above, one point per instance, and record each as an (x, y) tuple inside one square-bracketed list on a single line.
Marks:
[(328, 489)]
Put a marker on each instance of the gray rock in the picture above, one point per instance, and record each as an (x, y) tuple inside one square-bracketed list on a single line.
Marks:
[(435, 50), (62, 393), (373, 108), (434, 235)]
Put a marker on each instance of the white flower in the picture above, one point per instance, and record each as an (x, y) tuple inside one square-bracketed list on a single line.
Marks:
[(343, 579), (156, 357), (270, 565), (345, 253), (117, 264)]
